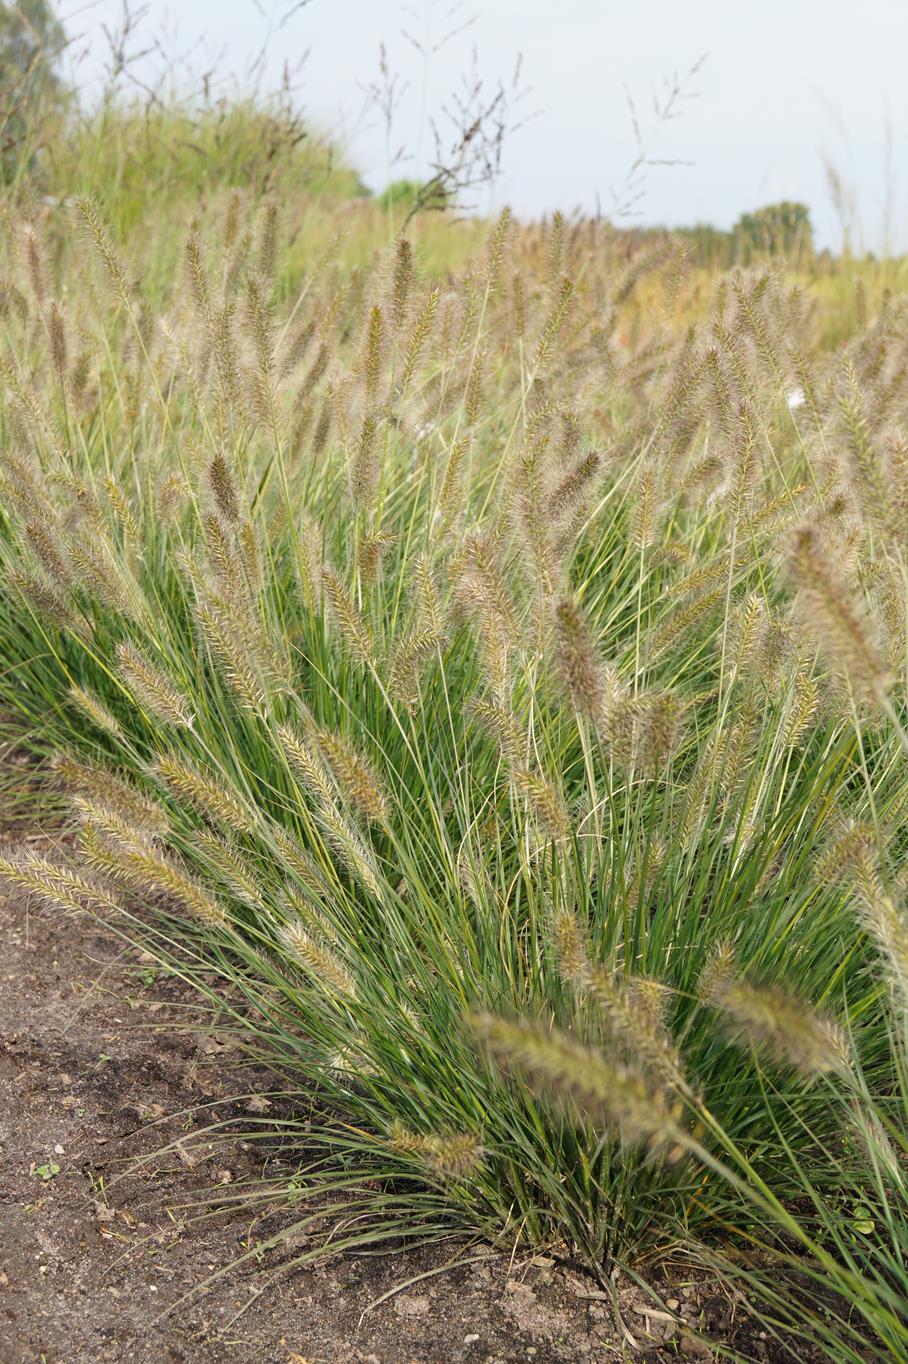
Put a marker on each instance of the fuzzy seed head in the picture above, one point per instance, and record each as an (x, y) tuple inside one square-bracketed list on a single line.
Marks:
[(771, 1019), (580, 669), (600, 1089), (322, 964), (223, 487), (832, 614), (95, 710), (55, 885), (152, 688), (212, 798)]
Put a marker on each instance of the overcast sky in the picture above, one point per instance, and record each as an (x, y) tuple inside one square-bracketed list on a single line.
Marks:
[(783, 84)]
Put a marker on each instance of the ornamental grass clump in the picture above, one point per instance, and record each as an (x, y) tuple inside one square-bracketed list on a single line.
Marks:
[(489, 691)]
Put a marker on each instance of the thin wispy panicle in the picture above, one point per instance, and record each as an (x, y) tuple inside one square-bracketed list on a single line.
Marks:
[(96, 571), (749, 305), (306, 761), (519, 305), (370, 552), (545, 801), (35, 415), (866, 466), (807, 386), (300, 863), (48, 604), (569, 494), (451, 497), (268, 242), (645, 729), (635, 1024), (57, 337), (297, 347), (111, 826), (230, 651), (745, 469), (21, 481), (449, 1156), (473, 397), (684, 618), (36, 266), (572, 949), (643, 513), (260, 329), (46, 543), (483, 590), (501, 723), (804, 702), (552, 327), (197, 274), (128, 526), (887, 922), (532, 519)]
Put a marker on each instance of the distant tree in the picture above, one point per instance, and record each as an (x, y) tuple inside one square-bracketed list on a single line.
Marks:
[(711, 246), (31, 42), (777, 229)]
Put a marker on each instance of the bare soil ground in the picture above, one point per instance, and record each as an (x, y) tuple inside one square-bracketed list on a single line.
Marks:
[(97, 1253)]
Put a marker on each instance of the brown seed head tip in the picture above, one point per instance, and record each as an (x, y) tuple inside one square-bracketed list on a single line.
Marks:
[(578, 664), (453, 1156), (571, 948)]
